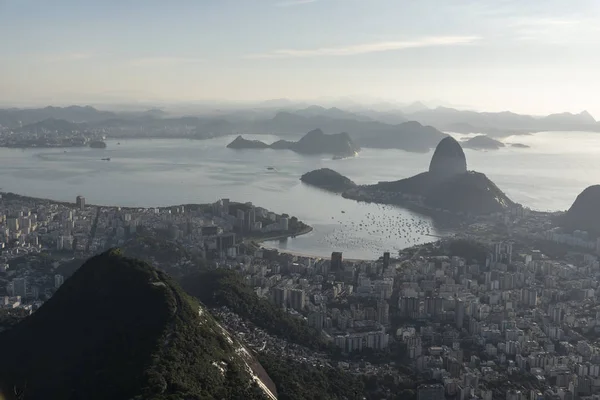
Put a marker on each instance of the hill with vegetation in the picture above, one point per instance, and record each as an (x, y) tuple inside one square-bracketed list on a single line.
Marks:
[(328, 179), (583, 214), (222, 287), (121, 329)]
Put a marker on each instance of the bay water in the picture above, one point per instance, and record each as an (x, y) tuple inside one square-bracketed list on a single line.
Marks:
[(159, 172)]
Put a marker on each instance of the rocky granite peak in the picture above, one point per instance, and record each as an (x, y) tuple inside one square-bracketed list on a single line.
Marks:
[(448, 159)]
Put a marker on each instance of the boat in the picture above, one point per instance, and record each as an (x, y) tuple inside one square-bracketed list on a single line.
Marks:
[(106, 159), (271, 168)]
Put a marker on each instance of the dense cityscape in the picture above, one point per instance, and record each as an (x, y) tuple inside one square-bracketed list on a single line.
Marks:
[(480, 314)]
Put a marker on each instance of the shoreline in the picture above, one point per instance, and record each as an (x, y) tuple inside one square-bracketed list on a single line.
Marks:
[(307, 229), (14, 196), (302, 254)]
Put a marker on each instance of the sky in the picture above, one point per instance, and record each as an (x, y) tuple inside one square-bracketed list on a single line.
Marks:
[(528, 56)]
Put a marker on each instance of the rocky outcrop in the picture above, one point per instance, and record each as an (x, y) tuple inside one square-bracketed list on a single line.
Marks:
[(446, 186), (448, 159)]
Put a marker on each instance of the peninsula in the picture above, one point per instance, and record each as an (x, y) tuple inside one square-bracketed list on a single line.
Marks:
[(314, 142), (446, 186)]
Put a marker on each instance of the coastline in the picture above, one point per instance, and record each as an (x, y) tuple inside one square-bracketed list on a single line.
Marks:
[(307, 229), (258, 240), (15, 196), (302, 254)]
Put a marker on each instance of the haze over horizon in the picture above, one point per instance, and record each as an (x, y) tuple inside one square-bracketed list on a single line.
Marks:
[(491, 55)]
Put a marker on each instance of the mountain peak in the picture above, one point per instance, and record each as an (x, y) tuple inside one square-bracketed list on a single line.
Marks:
[(414, 107), (117, 329), (314, 132), (448, 159), (585, 114)]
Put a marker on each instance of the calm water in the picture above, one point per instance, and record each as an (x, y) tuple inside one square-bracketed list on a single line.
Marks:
[(548, 176)]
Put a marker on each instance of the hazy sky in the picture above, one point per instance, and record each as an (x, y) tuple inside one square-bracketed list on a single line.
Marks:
[(534, 56)]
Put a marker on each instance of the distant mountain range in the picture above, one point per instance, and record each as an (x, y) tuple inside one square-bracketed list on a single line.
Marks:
[(413, 127), (502, 123), (54, 125), (410, 136), (14, 117)]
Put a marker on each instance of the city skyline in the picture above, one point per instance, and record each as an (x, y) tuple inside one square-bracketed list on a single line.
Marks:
[(489, 55)]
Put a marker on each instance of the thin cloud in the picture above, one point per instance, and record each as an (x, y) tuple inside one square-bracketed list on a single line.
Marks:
[(80, 56), (366, 48), (164, 61), (554, 30), (290, 3), (544, 21), (76, 56)]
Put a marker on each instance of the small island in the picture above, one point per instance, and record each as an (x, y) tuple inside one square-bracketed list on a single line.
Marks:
[(97, 144), (314, 142), (328, 179), (241, 143), (482, 142)]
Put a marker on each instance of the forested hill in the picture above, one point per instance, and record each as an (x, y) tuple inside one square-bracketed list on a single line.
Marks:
[(120, 329)]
